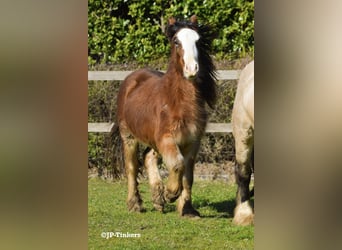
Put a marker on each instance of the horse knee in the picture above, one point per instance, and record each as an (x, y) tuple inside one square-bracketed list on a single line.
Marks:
[(242, 154), (244, 141), (150, 157), (175, 162), (171, 154), (151, 165)]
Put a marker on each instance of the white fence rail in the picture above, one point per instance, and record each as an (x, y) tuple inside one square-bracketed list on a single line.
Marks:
[(121, 75), (104, 127)]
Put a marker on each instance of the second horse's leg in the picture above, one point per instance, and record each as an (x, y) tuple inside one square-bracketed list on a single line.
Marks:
[(243, 213), (156, 183)]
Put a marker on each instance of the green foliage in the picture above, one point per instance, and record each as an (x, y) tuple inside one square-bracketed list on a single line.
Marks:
[(98, 152), (121, 31), (101, 104), (107, 212)]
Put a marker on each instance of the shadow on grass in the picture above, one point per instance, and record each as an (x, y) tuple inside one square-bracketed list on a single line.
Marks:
[(170, 208), (224, 208)]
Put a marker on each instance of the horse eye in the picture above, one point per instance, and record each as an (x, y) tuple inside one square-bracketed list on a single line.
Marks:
[(176, 42)]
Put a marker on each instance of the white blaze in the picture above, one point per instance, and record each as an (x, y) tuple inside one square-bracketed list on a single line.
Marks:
[(188, 39)]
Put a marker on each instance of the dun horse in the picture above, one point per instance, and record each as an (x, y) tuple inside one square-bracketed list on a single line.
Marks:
[(243, 132), (167, 113)]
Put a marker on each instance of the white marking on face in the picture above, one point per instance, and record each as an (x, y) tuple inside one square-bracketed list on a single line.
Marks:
[(188, 39)]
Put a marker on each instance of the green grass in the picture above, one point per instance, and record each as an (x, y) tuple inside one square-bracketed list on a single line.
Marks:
[(107, 212)]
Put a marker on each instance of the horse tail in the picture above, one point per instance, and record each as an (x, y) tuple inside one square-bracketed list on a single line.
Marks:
[(251, 193), (117, 157)]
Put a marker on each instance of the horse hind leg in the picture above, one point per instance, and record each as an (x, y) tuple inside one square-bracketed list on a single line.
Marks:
[(156, 183), (243, 213), (134, 201)]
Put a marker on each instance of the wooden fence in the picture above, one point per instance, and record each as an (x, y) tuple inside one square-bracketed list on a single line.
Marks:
[(105, 127)]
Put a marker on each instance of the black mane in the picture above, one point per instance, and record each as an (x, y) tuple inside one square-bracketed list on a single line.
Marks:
[(206, 76)]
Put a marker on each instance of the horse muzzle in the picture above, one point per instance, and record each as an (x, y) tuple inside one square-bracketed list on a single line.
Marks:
[(190, 70)]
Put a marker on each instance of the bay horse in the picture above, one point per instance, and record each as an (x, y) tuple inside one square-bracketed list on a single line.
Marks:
[(167, 113), (243, 132)]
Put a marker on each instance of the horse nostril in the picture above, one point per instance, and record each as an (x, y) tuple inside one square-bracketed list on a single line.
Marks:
[(191, 70)]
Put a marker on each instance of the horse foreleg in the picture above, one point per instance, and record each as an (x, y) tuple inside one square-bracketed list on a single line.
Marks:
[(134, 201), (156, 183), (184, 205), (243, 213), (174, 161)]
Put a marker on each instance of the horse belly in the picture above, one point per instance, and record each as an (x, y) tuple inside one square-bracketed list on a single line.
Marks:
[(141, 123), (137, 108)]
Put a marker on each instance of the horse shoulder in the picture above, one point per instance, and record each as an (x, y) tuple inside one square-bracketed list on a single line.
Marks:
[(243, 110), (138, 79), (248, 97)]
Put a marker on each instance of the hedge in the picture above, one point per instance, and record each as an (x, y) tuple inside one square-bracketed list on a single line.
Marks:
[(124, 31)]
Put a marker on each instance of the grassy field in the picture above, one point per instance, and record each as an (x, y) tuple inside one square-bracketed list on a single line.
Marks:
[(214, 200)]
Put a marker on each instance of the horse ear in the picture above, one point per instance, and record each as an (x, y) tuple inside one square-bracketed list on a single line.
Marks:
[(193, 19), (170, 28), (172, 21)]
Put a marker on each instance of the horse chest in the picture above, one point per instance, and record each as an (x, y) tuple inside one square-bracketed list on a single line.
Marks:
[(187, 129), (185, 132), (186, 123)]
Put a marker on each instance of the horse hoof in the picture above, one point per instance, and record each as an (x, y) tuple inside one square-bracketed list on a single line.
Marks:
[(171, 197), (244, 220), (135, 205), (187, 210), (138, 209), (193, 214), (159, 207), (243, 215)]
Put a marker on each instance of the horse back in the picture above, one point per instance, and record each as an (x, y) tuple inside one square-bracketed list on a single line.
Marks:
[(139, 82), (136, 102)]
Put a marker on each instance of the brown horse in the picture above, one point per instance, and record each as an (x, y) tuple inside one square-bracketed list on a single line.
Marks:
[(167, 113), (243, 132)]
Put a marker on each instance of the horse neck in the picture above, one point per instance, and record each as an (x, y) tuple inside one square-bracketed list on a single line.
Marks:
[(175, 82), (174, 70), (177, 88)]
